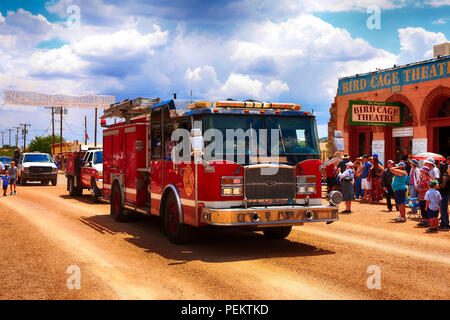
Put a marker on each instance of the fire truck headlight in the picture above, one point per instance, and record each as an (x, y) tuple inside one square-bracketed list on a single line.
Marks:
[(237, 192), (311, 190), (227, 191), (301, 190)]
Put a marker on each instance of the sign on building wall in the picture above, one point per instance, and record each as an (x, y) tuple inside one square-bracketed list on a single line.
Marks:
[(419, 146), (402, 132), (47, 100), (375, 113), (397, 77), (378, 148)]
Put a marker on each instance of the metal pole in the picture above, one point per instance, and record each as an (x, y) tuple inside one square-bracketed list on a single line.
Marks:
[(85, 130), (60, 137), (53, 133), (9, 136), (95, 135)]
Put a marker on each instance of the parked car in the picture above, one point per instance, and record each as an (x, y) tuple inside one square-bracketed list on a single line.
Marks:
[(37, 167), (6, 162)]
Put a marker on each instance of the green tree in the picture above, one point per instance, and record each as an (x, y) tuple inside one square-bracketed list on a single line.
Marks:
[(43, 144)]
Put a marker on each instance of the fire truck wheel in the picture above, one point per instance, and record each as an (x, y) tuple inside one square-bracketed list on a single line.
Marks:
[(54, 182), (117, 210), (277, 232), (178, 233), (23, 182), (73, 191)]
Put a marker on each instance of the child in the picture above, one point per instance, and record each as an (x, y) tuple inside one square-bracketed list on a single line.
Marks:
[(5, 179), (433, 199)]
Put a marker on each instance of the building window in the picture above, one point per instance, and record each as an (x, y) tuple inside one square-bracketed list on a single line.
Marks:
[(444, 110)]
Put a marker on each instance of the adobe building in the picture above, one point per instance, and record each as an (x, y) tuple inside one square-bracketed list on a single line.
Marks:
[(404, 109)]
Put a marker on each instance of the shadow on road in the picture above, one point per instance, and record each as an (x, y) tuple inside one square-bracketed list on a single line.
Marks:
[(209, 245), (85, 198)]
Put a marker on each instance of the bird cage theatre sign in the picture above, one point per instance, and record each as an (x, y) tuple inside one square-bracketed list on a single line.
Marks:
[(375, 113)]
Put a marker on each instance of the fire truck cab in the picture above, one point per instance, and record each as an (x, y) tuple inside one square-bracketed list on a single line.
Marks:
[(249, 165), (85, 171)]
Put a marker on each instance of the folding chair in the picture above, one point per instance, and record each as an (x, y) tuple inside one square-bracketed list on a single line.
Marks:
[(413, 203)]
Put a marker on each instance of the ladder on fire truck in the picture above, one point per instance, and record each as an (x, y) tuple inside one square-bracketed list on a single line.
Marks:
[(129, 109)]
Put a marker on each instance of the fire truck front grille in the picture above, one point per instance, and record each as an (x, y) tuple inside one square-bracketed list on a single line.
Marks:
[(40, 169), (270, 186)]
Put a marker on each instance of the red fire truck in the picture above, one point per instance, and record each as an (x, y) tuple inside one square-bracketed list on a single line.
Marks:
[(84, 170), (243, 186)]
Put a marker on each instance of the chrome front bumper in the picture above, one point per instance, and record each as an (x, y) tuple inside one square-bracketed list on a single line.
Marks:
[(269, 216)]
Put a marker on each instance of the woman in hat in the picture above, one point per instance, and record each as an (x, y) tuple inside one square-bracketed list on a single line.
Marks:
[(347, 181), (422, 188), (375, 174), (444, 189), (399, 187)]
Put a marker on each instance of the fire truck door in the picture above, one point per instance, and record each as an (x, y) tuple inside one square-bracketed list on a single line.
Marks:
[(85, 170), (130, 163)]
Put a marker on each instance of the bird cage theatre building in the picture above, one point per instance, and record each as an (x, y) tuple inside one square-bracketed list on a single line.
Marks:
[(394, 112)]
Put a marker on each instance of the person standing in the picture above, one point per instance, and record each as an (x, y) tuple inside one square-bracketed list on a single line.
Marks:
[(399, 188), (375, 174), (359, 193), (347, 181), (386, 184), (414, 177), (433, 200), (444, 190), (331, 176), (2, 167), (422, 188), (365, 182), (13, 177), (434, 172), (5, 179), (342, 164)]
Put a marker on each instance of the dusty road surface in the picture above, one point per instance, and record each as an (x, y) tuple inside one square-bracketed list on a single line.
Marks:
[(43, 232)]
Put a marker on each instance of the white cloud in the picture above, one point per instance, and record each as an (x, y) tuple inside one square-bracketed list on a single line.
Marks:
[(438, 3), (276, 87), (241, 86), (417, 44), (441, 21)]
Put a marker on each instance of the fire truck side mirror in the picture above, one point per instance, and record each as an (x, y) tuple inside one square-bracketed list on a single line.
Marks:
[(197, 140)]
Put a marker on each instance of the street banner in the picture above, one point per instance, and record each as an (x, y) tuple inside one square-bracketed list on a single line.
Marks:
[(14, 97), (375, 113)]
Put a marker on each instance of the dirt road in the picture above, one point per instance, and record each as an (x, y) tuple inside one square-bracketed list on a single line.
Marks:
[(43, 232)]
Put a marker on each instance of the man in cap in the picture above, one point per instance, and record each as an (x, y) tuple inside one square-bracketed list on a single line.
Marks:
[(434, 171), (343, 163), (365, 183)]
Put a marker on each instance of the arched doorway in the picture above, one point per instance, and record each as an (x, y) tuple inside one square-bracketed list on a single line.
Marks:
[(397, 148), (359, 138), (436, 116)]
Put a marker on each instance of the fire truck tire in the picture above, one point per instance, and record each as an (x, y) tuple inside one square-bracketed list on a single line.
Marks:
[(54, 182), (117, 210), (73, 191), (277, 232), (95, 191), (178, 233), (23, 182)]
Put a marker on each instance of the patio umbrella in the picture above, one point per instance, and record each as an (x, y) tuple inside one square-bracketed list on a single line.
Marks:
[(426, 155)]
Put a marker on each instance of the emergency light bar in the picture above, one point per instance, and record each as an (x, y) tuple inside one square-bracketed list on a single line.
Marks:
[(244, 104)]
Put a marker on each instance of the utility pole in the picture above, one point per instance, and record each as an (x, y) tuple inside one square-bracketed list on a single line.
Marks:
[(95, 135), (3, 141), (60, 135), (85, 130), (17, 136), (25, 125), (9, 136)]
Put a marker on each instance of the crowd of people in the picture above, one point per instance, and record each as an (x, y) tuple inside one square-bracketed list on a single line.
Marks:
[(410, 185)]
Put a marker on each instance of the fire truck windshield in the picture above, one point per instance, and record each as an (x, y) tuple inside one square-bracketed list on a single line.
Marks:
[(297, 138)]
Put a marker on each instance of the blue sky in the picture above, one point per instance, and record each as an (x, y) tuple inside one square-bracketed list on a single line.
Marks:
[(284, 50)]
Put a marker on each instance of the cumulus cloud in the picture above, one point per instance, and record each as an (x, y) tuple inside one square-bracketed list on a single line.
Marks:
[(417, 44), (437, 3)]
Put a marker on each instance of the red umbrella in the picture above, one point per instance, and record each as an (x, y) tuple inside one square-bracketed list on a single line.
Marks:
[(426, 155)]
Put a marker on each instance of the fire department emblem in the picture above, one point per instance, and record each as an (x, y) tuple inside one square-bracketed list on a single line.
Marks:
[(139, 145), (188, 180)]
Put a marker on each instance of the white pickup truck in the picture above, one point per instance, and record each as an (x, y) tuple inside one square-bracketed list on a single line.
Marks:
[(36, 167)]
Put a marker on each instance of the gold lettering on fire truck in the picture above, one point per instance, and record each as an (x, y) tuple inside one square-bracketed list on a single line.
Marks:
[(188, 180)]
